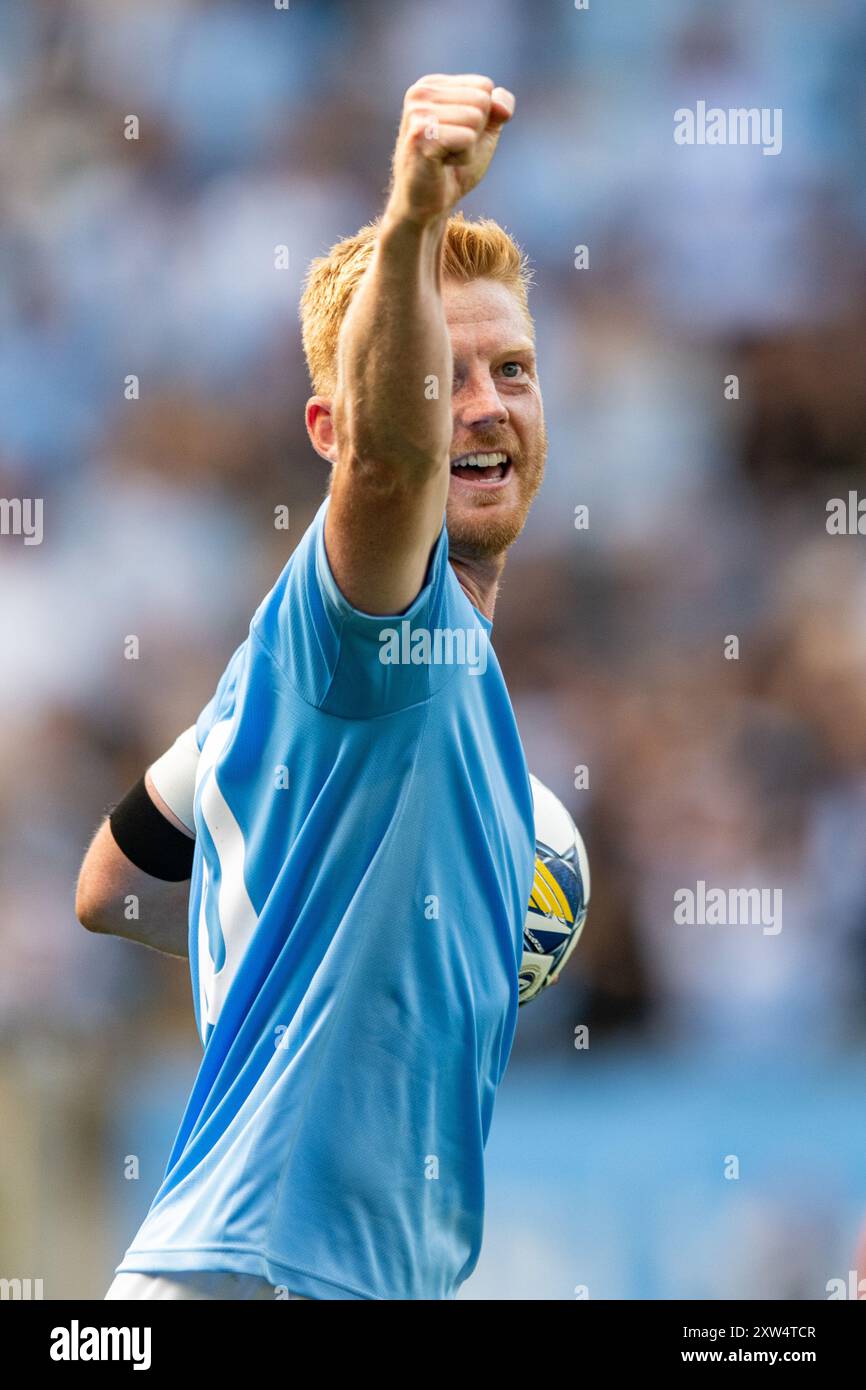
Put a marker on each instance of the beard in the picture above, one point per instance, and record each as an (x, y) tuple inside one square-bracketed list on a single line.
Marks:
[(481, 532)]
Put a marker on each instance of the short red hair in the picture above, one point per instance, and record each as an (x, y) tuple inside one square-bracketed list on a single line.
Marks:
[(471, 250)]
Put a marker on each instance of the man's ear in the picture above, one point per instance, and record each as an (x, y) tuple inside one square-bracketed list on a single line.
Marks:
[(320, 427)]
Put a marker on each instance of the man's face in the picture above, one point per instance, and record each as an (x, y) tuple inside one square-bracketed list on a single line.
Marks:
[(497, 408)]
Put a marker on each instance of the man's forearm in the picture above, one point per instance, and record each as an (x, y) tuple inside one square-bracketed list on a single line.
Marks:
[(115, 898), (393, 401)]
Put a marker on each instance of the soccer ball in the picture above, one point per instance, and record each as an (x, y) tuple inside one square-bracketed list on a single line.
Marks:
[(560, 894)]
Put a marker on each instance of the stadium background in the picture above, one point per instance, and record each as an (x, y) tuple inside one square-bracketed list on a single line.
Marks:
[(707, 518)]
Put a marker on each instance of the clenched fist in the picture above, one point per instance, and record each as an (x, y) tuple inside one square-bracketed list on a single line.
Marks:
[(447, 136)]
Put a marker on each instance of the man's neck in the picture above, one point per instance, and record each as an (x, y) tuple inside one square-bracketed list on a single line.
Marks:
[(479, 580)]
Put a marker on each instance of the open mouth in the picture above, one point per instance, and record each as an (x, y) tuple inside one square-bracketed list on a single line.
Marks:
[(489, 466)]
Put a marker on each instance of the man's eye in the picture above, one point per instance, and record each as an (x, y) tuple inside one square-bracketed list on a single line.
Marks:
[(517, 369)]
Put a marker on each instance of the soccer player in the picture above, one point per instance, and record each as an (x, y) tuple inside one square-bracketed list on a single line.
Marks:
[(364, 841)]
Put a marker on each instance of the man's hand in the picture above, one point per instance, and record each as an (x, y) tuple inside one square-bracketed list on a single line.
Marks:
[(448, 133)]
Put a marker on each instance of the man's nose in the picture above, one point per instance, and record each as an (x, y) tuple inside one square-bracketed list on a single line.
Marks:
[(477, 405)]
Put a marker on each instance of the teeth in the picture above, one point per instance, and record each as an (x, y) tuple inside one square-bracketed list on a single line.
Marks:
[(480, 460)]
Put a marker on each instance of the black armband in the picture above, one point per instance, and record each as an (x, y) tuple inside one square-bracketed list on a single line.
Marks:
[(148, 840)]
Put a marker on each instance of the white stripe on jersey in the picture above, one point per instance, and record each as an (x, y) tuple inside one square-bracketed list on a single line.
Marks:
[(236, 914)]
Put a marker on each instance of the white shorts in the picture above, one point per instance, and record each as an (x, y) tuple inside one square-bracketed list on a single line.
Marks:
[(198, 1284)]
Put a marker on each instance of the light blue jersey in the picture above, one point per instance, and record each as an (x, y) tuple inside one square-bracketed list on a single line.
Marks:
[(363, 865)]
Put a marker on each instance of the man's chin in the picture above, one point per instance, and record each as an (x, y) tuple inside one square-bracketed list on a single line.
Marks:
[(484, 532)]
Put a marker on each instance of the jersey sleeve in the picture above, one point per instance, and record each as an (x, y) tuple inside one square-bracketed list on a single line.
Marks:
[(222, 701), (343, 661), (173, 775)]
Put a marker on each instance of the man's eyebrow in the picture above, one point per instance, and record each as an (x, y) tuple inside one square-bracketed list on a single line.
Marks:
[(527, 350)]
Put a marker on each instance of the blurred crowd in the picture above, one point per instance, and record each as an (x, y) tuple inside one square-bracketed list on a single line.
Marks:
[(154, 258)]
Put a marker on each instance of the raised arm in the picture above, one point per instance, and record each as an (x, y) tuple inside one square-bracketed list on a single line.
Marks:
[(392, 411)]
